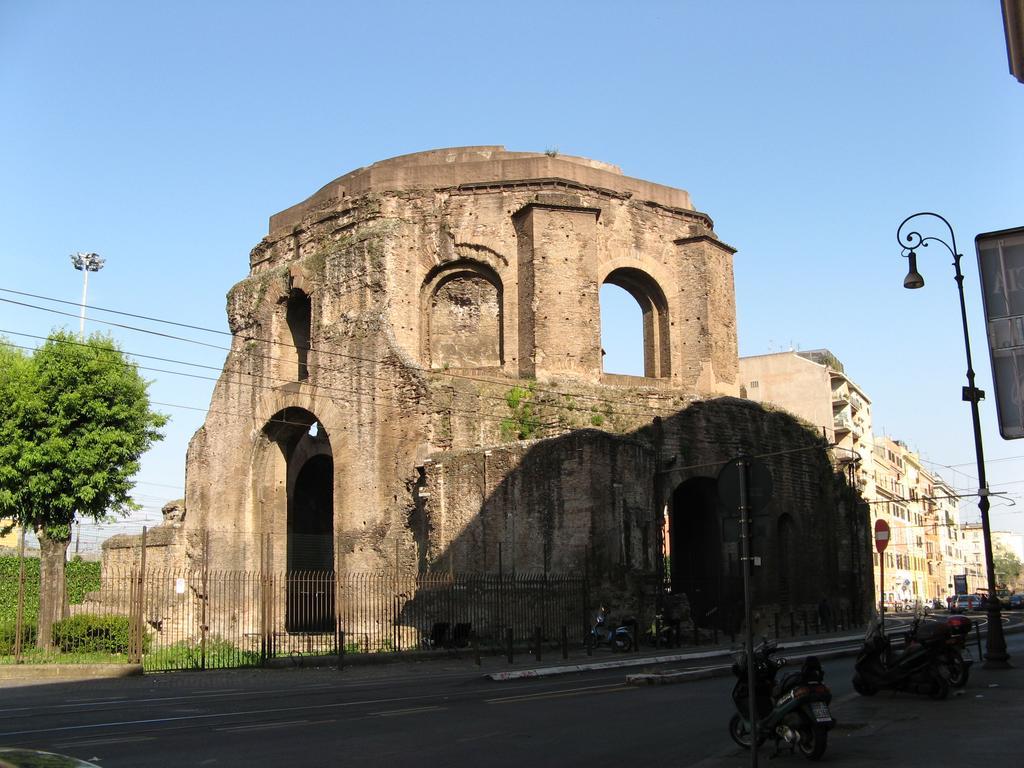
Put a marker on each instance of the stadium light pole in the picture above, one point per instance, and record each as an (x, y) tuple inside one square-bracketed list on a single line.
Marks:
[(996, 656), (85, 263)]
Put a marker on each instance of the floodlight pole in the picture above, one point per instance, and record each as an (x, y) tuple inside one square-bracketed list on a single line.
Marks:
[(996, 656), (85, 263)]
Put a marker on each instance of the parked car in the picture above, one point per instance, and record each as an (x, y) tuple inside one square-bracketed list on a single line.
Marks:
[(963, 603), (1015, 601)]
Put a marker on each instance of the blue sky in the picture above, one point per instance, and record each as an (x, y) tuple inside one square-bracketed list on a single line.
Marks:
[(163, 136)]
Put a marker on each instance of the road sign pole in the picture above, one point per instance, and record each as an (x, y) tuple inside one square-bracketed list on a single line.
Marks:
[(881, 542), (881, 597)]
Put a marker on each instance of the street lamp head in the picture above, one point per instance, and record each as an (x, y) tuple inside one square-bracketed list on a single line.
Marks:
[(87, 262), (913, 278)]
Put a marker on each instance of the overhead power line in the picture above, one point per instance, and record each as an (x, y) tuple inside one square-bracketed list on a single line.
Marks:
[(403, 366)]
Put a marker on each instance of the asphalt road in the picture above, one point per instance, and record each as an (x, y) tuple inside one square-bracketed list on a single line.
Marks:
[(432, 714)]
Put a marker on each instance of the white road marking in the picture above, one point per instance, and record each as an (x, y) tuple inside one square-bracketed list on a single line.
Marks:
[(410, 711)]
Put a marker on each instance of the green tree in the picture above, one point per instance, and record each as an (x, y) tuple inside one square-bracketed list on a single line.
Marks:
[(1007, 566), (74, 422)]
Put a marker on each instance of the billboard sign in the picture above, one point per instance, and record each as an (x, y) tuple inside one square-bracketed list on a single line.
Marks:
[(1001, 266)]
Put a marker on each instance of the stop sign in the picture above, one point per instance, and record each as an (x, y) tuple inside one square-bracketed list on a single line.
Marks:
[(881, 535)]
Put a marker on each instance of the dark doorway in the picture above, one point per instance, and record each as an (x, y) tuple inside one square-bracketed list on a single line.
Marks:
[(696, 549), (788, 569), (311, 548)]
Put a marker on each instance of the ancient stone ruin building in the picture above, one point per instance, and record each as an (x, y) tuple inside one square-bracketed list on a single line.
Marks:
[(415, 382)]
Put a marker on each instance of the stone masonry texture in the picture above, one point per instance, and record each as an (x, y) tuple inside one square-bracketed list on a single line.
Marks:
[(425, 332)]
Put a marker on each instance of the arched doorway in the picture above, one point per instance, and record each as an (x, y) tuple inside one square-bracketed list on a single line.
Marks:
[(696, 547), (789, 576), (293, 481), (311, 547)]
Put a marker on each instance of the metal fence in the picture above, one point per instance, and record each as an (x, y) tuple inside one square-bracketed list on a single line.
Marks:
[(196, 619)]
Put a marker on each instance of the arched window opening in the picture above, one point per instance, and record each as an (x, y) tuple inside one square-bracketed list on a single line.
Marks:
[(622, 333), (653, 339), (299, 314), (464, 317)]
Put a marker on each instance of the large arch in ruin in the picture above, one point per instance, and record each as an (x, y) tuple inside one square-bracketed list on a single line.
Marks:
[(646, 291), (293, 479)]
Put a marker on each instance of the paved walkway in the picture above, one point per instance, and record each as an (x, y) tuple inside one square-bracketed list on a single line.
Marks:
[(976, 726)]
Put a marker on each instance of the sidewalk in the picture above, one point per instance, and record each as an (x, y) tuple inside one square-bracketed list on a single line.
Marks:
[(976, 726)]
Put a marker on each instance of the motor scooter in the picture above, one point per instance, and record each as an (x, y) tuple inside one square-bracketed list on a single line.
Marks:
[(921, 667), (951, 637), (618, 637), (793, 712)]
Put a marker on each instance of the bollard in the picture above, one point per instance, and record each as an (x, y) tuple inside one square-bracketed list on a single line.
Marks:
[(476, 649), (565, 643), (714, 633), (776, 626), (804, 614), (508, 644), (341, 649), (696, 635), (636, 636), (792, 625), (589, 643), (817, 625), (536, 643)]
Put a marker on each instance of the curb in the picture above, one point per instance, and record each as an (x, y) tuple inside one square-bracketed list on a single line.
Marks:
[(685, 676), (566, 669), (67, 672)]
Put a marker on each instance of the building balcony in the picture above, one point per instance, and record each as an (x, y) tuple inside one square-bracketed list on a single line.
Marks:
[(842, 424)]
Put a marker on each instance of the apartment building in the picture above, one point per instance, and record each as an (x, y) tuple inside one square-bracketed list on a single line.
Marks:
[(973, 543), (946, 554), (813, 386)]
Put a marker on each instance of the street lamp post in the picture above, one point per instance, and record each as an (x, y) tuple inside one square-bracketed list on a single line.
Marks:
[(85, 263), (996, 656)]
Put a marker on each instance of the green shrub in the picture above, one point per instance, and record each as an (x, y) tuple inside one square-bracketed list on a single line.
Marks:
[(88, 633), (7, 633), (81, 577), (220, 654)]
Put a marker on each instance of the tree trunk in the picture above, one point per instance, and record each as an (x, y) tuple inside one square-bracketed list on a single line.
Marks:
[(53, 592)]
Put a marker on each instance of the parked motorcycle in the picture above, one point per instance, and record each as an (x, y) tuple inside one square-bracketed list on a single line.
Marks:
[(920, 667), (618, 637), (660, 634), (793, 712), (951, 635)]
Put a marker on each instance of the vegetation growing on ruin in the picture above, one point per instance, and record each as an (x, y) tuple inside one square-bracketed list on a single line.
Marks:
[(522, 423)]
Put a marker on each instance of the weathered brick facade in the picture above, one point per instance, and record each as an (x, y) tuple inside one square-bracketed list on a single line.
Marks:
[(416, 376)]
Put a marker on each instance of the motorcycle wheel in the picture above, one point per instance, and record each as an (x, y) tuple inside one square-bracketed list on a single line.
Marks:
[(813, 740), (939, 689), (863, 687), (959, 671), (625, 644), (739, 731)]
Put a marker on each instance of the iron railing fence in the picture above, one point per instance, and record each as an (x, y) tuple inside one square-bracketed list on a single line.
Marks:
[(199, 619)]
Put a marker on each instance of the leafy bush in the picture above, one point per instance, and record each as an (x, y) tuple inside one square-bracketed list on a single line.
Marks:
[(87, 633), (7, 633), (81, 577), (220, 654)]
